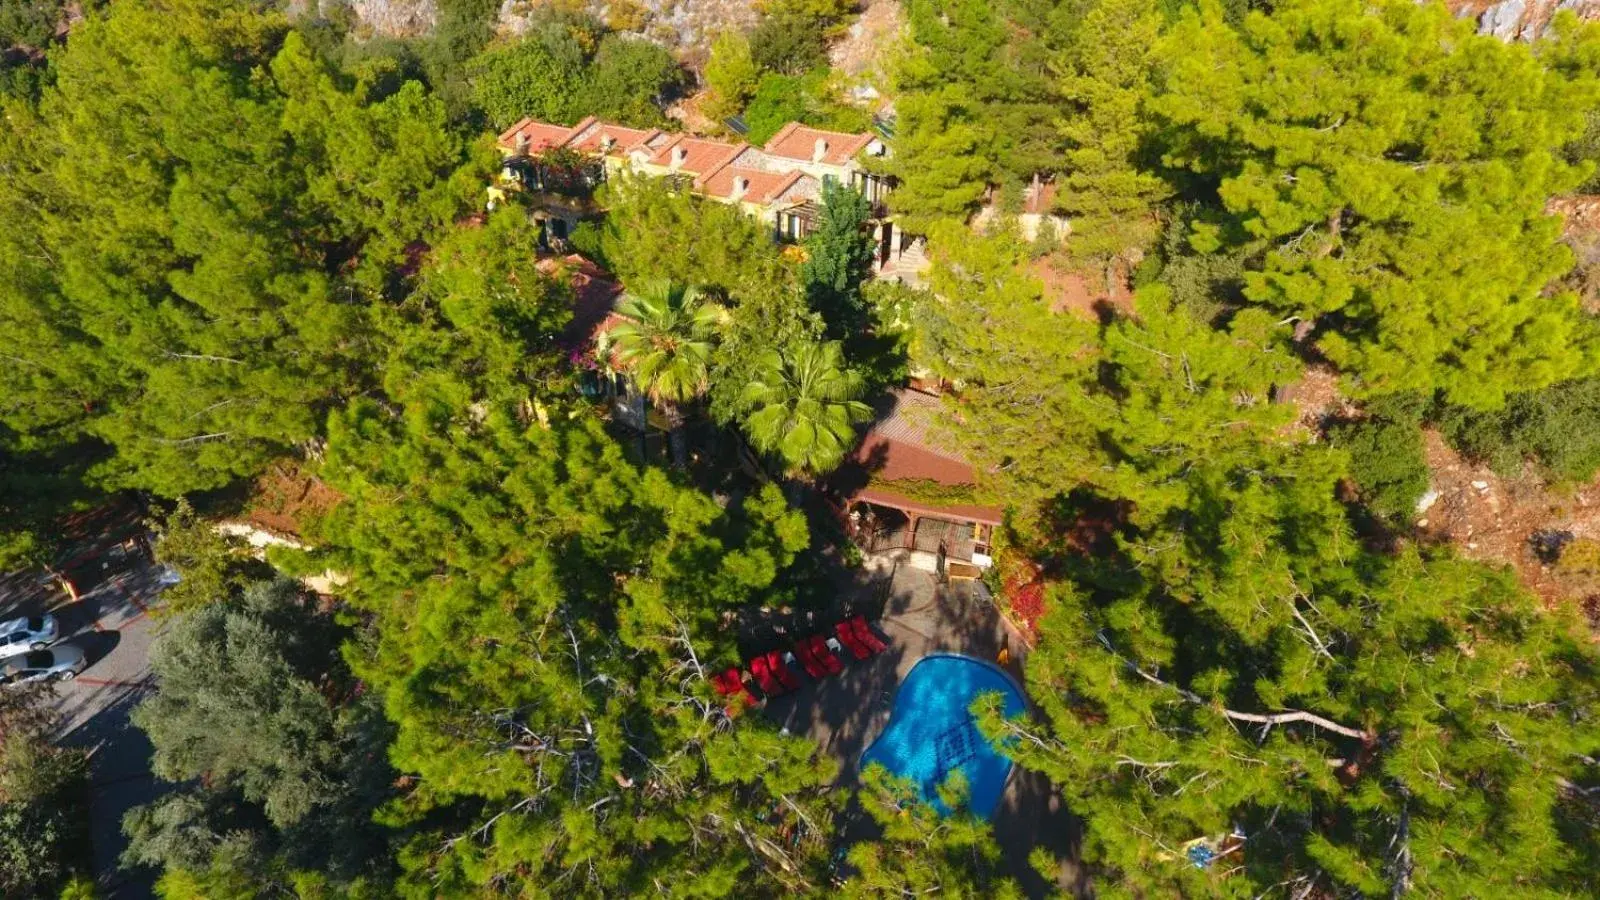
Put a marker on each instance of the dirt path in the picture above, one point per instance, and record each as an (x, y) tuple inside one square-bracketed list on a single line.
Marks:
[(1506, 521)]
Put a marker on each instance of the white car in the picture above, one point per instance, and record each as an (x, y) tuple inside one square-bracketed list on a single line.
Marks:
[(27, 633), (59, 663)]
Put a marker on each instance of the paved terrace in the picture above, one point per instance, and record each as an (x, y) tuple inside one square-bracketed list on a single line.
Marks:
[(917, 616)]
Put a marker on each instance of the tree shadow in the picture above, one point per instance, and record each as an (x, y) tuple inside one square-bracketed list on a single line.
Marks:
[(120, 779), (96, 645)]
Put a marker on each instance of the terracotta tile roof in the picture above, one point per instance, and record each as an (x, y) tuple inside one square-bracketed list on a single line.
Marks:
[(891, 460), (773, 174), (901, 446), (540, 135), (798, 142), (592, 138), (761, 187), (644, 141), (794, 143), (702, 156), (594, 299), (907, 420)]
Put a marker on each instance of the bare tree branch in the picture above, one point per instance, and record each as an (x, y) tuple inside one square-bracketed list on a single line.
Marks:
[(202, 357), (1279, 718), (1321, 647), (197, 439)]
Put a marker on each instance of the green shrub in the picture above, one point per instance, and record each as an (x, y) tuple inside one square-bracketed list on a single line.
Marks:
[(566, 68), (808, 99), (43, 816), (1387, 463), (1558, 426), (588, 238), (1404, 408), (731, 75), (630, 81), (933, 493), (1579, 565), (788, 45), (541, 79)]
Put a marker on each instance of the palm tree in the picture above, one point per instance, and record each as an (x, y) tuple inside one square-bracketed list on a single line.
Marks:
[(665, 344), (805, 407)]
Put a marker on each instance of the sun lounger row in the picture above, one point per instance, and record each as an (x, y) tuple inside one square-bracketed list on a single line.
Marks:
[(815, 654)]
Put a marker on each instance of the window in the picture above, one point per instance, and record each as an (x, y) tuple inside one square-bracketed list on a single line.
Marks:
[(42, 659)]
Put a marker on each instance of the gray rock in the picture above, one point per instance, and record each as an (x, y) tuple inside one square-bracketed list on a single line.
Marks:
[(396, 18), (1426, 502), (1503, 20)]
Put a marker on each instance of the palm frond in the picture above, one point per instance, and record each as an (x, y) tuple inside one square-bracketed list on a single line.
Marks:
[(805, 407)]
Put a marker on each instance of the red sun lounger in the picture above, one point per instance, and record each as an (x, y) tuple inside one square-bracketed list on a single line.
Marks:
[(808, 659), (865, 635), (764, 677), (776, 664), (726, 683), (847, 637), (732, 684), (819, 648)]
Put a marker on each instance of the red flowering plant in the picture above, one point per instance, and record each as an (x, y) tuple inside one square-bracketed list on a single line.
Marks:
[(1025, 599)]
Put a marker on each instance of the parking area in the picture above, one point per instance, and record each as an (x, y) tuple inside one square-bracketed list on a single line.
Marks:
[(110, 623)]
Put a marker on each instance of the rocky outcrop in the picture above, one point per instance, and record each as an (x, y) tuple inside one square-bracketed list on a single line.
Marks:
[(396, 18), (1523, 20), (686, 27)]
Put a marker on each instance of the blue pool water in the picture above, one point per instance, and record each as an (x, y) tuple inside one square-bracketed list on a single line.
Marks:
[(931, 732)]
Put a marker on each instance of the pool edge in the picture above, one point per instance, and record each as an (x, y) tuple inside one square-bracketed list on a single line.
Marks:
[(894, 702)]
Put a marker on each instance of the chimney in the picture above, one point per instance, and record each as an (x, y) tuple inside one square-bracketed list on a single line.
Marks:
[(680, 154), (819, 150), (741, 185), (606, 143), (522, 143)]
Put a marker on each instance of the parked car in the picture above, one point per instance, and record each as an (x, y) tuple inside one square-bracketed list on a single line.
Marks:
[(27, 633), (61, 663)]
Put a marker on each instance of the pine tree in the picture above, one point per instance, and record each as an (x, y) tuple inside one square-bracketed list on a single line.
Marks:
[(1368, 725), (731, 75), (972, 87), (43, 813), (546, 615), (212, 566), (1394, 167), (1235, 659), (1108, 191), (206, 211), (644, 234), (1022, 367), (484, 322), (921, 851), (839, 256)]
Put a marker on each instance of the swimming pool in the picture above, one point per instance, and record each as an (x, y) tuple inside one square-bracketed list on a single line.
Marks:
[(931, 732)]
